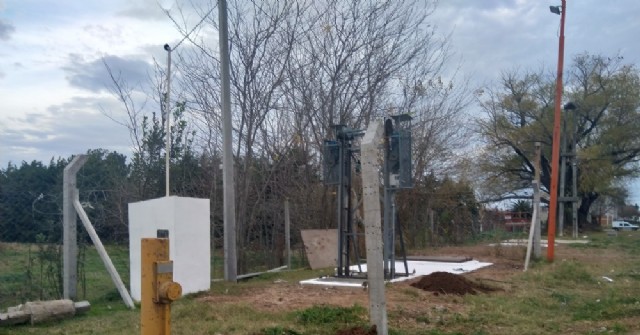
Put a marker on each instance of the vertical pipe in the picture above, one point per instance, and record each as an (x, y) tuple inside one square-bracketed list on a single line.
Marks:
[(555, 152), (287, 231), (574, 174), (340, 202), (392, 237), (347, 211), (229, 211), (167, 107), (386, 210)]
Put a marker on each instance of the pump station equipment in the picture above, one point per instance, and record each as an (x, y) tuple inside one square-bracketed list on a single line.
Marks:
[(339, 156), (158, 288)]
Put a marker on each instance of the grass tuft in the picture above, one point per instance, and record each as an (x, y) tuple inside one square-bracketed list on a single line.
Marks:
[(322, 315)]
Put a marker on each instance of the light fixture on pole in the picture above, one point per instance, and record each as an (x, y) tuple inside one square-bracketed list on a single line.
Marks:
[(167, 101), (555, 152)]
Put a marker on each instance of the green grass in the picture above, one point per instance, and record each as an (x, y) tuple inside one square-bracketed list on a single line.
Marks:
[(568, 296)]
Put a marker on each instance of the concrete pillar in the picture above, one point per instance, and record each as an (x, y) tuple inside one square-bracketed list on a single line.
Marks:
[(373, 229), (69, 229)]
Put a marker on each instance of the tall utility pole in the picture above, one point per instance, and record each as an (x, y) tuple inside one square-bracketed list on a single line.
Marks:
[(229, 211), (555, 152)]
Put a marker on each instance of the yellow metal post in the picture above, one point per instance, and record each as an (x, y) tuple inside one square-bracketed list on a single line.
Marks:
[(158, 288)]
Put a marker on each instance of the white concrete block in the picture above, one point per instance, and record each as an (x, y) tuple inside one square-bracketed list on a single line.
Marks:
[(187, 220)]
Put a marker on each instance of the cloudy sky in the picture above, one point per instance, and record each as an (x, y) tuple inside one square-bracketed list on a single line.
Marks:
[(52, 80)]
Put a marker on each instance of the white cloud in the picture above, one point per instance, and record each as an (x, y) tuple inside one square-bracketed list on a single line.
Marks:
[(62, 130)]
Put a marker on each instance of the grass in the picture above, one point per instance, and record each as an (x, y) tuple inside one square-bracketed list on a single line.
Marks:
[(568, 296)]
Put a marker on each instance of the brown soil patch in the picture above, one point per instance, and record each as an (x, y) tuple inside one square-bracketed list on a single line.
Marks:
[(358, 331), (449, 283)]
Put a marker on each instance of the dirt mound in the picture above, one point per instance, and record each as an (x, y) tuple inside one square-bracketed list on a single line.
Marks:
[(449, 283), (358, 331)]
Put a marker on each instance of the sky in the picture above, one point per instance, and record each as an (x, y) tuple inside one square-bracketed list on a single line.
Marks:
[(53, 84)]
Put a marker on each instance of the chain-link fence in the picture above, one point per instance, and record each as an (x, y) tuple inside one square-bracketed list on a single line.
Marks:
[(441, 213), (31, 246)]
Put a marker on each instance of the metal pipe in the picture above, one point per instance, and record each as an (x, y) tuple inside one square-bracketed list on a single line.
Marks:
[(167, 111)]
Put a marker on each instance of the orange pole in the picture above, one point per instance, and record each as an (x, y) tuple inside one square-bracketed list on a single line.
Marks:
[(555, 152)]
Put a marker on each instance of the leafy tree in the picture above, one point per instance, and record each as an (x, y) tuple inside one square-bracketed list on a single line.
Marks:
[(607, 120), (29, 203)]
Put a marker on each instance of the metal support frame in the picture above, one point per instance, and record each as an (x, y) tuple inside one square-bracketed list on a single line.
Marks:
[(391, 227), (347, 235)]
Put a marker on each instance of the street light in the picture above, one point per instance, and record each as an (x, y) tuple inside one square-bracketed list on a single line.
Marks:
[(167, 108), (167, 101), (555, 152)]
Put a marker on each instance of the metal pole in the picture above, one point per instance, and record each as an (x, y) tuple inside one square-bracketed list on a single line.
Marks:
[(229, 214), (287, 231), (386, 222), (574, 174), (555, 152), (167, 111), (347, 212), (392, 236), (340, 204)]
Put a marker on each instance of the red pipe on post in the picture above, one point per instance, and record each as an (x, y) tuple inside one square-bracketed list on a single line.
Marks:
[(555, 152)]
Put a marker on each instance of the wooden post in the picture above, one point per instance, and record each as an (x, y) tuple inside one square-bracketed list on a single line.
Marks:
[(69, 230), (373, 227)]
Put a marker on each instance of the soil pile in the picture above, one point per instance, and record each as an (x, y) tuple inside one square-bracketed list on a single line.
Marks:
[(358, 331), (449, 283)]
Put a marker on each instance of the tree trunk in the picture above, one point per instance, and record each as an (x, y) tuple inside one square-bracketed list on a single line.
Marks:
[(583, 211)]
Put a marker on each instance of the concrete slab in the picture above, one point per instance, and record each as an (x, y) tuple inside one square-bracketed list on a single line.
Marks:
[(321, 247), (416, 268), (448, 259)]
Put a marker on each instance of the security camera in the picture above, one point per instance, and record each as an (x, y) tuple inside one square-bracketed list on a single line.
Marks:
[(167, 47)]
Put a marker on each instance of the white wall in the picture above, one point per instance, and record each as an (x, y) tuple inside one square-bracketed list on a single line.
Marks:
[(187, 220)]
